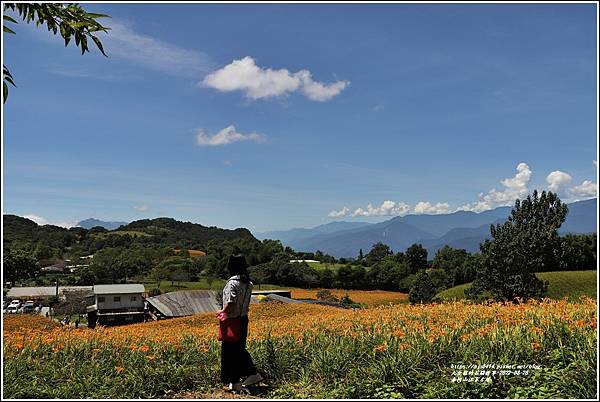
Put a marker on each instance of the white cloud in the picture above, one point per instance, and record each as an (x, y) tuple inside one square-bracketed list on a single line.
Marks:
[(225, 136), (514, 187), (37, 219), (339, 214), (141, 207), (387, 208), (258, 82), (121, 41), (558, 182), (585, 189), (425, 207), (40, 220)]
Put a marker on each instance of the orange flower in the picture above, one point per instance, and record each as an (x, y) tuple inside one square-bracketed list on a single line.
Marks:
[(399, 333), (380, 348), (144, 348), (535, 345), (119, 369)]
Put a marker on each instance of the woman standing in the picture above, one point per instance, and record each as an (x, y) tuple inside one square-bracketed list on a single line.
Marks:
[(236, 362)]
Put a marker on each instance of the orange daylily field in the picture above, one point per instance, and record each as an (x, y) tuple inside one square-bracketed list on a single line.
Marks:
[(369, 297), (309, 351)]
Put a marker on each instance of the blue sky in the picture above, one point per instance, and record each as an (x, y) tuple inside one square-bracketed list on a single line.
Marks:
[(278, 116)]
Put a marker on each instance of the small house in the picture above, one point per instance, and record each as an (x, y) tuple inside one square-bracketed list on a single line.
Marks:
[(116, 305)]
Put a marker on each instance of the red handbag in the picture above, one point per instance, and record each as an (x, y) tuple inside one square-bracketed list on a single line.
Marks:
[(229, 330)]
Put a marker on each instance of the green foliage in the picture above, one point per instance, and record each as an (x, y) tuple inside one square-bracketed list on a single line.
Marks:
[(578, 251), (70, 20), (327, 296), (416, 258), (154, 292), (439, 278), (526, 243), (387, 274), (378, 252), (459, 265), (19, 265), (423, 289)]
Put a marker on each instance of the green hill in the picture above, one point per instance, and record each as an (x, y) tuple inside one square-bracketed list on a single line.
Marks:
[(570, 284)]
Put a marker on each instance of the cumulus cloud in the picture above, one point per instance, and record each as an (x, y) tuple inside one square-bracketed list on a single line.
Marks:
[(558, 182), (387, 208), (40, 220), (514, 187), (339, 214), (141, 207), (258, 82), (225, 136), (585, 189), (424, 207)]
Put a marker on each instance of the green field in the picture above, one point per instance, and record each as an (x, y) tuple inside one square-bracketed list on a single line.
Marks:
[(319, 266), (571, 284)]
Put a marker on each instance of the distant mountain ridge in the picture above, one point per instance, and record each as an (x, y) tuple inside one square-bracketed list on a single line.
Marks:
[(462, 229), (92, 222), (301, 233)]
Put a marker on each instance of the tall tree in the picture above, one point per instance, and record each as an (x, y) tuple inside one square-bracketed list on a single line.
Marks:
[(70, 20), (526, 243), (378, 252), (416, 257)]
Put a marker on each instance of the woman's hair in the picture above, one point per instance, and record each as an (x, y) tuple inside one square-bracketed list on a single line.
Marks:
[(237, 265)]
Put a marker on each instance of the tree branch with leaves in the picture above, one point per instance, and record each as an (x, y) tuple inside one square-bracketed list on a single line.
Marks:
[(70, 20)]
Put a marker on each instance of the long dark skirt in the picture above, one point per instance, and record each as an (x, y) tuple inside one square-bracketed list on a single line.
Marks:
[(235, 359)]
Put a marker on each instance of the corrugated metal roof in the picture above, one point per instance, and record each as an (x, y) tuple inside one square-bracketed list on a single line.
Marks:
[(115, 289), (43, 291), (185, 302)]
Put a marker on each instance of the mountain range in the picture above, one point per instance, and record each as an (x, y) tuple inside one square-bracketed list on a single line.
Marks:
[(462, 229), (90, 223)]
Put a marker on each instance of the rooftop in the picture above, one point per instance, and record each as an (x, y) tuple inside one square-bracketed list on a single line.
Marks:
[(114, 289)]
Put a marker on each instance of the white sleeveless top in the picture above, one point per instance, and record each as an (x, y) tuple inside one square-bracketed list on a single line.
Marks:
[(239, 293)]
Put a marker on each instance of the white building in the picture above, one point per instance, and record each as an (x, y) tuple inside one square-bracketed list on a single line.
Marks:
[(117, 304)]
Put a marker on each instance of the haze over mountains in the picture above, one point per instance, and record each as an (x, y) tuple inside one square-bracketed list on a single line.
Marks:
[(463, 229), (90, 223)]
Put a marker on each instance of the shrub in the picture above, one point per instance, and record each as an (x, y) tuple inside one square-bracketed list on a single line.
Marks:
[(326, 295)]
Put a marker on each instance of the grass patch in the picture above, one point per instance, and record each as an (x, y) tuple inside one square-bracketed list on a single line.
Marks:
[(570, 284), (320, 266)]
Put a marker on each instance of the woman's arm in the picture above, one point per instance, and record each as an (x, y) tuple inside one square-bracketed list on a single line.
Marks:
[(228, 308)]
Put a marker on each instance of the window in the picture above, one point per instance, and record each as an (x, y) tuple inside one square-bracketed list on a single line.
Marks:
[(101, 299), (117, 299), (133, 298)]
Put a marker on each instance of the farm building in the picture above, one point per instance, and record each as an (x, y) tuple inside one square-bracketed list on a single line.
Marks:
[(60, 266), (116, 304), (39, 293)]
